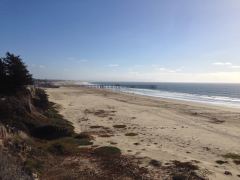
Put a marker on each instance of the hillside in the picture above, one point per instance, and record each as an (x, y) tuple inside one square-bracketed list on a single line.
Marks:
[(46, 147)]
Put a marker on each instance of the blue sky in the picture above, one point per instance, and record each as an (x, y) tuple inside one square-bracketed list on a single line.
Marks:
[(125, 40)]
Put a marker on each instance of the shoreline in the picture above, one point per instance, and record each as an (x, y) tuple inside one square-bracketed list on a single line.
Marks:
[(220, 104), (182, 101), (162, 129), (155, 98), (217, 94)]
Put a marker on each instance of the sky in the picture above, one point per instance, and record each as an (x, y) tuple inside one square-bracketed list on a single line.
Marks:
[(125, 40)]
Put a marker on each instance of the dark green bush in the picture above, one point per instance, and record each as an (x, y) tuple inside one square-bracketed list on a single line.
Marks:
[(66, 146), (107, 151), (57, 149), (13, 74), (119, 126), (83, 135), (131, 134), (51, 132), (33, 165), (41, 99)]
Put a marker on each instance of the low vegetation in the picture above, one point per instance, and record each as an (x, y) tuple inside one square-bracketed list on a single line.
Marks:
[(49, 148), (119, 126), (66, 146), (32, 165), (131, 134), (221, 162), (10, 168), (233, 156), (237, 162), (228, 173), (107, 151), (24, 108), (21, 113), (84, 135), (95, 127), (183, 170), (155, 163)]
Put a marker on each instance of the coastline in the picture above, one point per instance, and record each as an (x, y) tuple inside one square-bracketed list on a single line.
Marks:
[(201, 100), (165, 129), (226, 95), (187, 102)]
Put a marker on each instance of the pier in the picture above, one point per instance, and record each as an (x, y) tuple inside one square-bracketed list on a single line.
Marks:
[(102, 86)]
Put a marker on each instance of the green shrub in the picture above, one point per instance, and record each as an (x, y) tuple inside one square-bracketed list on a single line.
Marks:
[(155, 163), (51, 132), (119, 126), (131, 134), (95, 127), (179, 177), (66, 146), (84, 142), (57, 149), (83, 135), (56, 119), (41, 99), (15, 112), (106, 151), (33, 165), (56, 127)]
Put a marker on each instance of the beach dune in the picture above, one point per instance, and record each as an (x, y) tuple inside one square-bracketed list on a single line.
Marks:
[(160, 129)]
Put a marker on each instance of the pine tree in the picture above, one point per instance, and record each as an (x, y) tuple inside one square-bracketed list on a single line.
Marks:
[(3, 75), (15, 73)]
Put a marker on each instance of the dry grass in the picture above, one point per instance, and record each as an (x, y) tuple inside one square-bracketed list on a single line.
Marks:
[(87, 166), (11, 169), (232, 156), (183, 170), (237, 162), (100, 113), (66, 146)]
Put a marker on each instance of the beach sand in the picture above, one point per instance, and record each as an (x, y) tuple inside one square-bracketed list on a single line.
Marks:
[(160, 129)]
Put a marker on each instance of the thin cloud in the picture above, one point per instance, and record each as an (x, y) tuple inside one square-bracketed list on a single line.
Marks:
[(166, 70), (136, 73), (235, 67), (222, 64), (113, 65), (226, 64)]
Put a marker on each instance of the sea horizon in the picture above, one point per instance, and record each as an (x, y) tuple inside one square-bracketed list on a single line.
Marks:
[(223, 94)]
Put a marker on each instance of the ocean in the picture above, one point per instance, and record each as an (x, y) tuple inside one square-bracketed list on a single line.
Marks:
[(217, 94)]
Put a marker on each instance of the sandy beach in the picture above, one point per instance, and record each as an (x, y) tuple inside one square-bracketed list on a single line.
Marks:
[(160, 129)]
